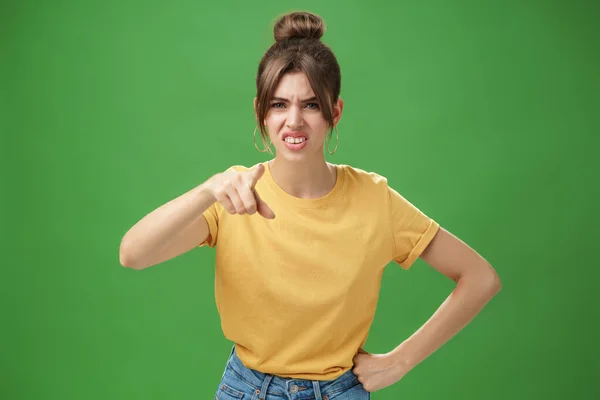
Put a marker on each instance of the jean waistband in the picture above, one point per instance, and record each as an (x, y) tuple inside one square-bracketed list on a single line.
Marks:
[(276, 385)]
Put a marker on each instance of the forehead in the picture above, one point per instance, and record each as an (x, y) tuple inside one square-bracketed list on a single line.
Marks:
[(292, 85)]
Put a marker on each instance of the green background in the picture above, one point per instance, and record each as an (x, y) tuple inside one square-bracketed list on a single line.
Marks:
[(484, 114)]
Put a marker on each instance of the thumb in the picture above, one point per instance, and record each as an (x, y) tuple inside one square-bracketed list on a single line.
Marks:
[(256, 173), (262, 207)]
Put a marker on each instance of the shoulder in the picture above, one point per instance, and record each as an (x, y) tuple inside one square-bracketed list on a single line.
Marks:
[(362, 177)]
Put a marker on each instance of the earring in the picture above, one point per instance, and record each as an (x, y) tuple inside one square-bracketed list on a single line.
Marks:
[(267, 148), (337, 139)]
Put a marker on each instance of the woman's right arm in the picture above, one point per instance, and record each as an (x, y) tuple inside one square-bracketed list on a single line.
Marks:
[(179, 226), (172, 229)]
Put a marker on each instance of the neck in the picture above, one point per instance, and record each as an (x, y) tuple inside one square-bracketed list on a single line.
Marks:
[(306, 180)]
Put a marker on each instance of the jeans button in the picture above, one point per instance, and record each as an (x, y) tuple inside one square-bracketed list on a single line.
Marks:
[(294, 389)]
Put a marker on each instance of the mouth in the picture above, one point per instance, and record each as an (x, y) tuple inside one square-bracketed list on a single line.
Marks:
[(295, 141), (294, 138)]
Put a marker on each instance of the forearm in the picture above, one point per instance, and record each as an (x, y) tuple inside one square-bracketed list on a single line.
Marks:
[(154, 231), (470, 295)]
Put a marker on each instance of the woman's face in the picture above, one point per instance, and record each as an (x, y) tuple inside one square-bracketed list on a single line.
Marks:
[(295, 122)]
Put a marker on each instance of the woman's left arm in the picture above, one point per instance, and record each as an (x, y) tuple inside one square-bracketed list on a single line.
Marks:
[(476, 283)]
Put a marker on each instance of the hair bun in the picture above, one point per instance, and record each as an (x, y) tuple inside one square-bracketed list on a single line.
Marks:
[(299, 25)]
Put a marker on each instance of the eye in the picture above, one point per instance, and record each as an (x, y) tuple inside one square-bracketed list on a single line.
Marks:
[(312, 106), (277, 105)]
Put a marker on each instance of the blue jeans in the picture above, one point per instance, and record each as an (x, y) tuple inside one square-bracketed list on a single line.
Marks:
[(241, 383)]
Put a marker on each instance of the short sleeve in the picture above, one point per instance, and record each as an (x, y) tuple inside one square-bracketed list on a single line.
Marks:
[(412, 230), (212, 218)]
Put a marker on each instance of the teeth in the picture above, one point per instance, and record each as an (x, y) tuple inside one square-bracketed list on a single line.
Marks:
[(290, 139)]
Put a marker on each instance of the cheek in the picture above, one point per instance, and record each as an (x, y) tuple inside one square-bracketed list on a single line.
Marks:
[(318, 125), (274, 122)]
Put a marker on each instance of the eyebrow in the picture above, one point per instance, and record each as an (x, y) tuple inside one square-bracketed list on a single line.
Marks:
[(286, 100)]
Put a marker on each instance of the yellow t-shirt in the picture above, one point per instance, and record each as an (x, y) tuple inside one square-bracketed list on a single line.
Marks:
[(297, 294)]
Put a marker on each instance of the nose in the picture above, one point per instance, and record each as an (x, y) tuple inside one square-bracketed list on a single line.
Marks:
[(294, 118)]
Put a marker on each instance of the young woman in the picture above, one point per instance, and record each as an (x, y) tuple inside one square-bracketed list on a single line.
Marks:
[(301, 244)]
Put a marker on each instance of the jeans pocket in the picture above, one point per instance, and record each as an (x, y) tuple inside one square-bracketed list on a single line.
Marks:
[(226, 392)]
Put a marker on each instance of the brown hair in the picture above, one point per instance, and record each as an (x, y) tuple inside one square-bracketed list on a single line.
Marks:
[(298, 48)]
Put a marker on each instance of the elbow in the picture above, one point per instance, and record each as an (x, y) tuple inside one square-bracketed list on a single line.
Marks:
[(484, 280), (492, 281), (128, 260), (130, 263)]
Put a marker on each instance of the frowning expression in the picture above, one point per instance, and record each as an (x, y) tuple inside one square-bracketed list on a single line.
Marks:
[(295, 121)]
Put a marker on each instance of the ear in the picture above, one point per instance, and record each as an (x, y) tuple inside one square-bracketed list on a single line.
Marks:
[(255, 110), (337, 111)]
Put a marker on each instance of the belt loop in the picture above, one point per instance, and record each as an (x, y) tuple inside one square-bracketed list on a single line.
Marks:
[(263, 390), (317, 390)]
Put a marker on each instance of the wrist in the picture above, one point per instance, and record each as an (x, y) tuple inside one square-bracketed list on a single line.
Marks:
[(403, 357), (202, 196)]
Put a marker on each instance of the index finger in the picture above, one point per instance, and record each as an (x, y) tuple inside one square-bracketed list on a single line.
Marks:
[(256, 173)]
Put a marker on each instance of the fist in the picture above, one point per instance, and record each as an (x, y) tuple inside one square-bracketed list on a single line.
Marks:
[(234, 190)]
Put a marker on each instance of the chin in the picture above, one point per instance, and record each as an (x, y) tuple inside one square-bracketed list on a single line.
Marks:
[(292, 157), (296, 157)]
